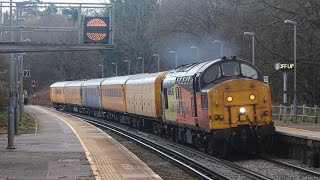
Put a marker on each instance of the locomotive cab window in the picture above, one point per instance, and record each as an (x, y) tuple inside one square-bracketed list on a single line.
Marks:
[(230, 68), (211, 74), (248, 71)]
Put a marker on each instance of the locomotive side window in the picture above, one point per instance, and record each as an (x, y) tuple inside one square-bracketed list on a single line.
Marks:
[(165, 91), (204, 101), (248, 71), (230, 69)]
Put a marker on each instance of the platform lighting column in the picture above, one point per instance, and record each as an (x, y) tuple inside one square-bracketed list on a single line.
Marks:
[(21, 78), (17, 95), (197, 52), (10, 108), (79, 24), (17, 113), (294, 23), (20, 71), (127, 61), (141, 58), (253, 39), (157, 55), (102, 70), (175, 57), (221, 46), (116, 67)]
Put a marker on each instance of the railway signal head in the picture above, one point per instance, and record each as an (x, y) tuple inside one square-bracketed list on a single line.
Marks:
[(33, 84)]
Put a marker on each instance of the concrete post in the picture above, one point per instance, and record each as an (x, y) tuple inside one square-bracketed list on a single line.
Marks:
[(17, 107), (315, 114), (280, 111), (285, 95), (11, 102)]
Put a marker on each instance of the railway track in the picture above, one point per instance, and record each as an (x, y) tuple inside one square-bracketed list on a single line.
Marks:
[(186, 163), (273, 160)]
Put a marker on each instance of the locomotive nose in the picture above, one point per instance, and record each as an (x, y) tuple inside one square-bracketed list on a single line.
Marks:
[(240, 106)]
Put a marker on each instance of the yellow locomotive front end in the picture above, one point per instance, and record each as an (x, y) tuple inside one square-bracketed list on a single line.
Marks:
[(239, 102), (239, 106)]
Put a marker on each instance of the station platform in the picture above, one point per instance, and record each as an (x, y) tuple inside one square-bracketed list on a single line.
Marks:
[(301, 130), (65, 147)]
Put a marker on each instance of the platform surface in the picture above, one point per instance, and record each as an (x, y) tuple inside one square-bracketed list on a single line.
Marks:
[(68, 148), (54, 152), (301, 130)]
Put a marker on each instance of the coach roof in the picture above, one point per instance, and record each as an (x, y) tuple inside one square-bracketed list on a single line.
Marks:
[(117, 80), (93, 82), (60, 84), (75, 83)]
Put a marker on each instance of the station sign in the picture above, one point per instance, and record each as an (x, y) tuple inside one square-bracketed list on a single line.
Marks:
[(26, 73), (266, 79), (96, 30), (280, 66)]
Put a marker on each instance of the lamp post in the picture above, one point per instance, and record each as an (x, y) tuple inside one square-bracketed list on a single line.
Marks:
[(157, 55), (141, 58), (116, 67), (175, 56), (21, 92), (127, 61), (294, 23), (197, 51), (221, 46), (101, 65), (252, 35), (11, 92)]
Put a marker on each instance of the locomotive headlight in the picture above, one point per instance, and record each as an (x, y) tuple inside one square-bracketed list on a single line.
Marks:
[(229, 98), (242, 110), (252, 97)]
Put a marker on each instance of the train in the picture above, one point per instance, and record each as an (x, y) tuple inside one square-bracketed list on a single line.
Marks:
[(220, 105)]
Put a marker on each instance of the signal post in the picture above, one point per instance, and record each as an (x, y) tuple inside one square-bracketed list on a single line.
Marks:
[(284, 68)]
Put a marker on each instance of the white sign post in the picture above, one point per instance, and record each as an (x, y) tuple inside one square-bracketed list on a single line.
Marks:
[(266, 79), (26, 73)]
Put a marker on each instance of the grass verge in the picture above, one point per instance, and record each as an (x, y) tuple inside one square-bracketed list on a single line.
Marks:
[(28, 124)]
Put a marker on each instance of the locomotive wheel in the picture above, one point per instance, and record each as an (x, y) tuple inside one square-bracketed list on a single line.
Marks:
[(265, 145), (226, 150), (209, 145)]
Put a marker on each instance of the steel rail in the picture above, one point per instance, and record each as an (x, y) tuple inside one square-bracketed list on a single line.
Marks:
[(308, 171), (235, 167), (186, 163), (238, 168)]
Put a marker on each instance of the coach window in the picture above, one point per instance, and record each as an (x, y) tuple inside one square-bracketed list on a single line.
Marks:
[(230, 69), (248, 71)]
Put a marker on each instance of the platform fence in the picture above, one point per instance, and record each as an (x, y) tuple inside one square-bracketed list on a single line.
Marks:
[(304, 113)]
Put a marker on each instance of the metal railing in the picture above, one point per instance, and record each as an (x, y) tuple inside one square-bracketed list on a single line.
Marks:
[(304, 113)]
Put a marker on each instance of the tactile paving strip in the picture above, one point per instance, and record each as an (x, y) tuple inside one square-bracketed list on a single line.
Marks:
[(108, 158)]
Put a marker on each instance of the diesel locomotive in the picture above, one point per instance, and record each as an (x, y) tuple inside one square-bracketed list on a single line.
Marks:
[(219, 105)]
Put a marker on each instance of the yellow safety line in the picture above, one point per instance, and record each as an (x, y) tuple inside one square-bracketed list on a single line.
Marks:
[(316, 132), (87, 152)]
